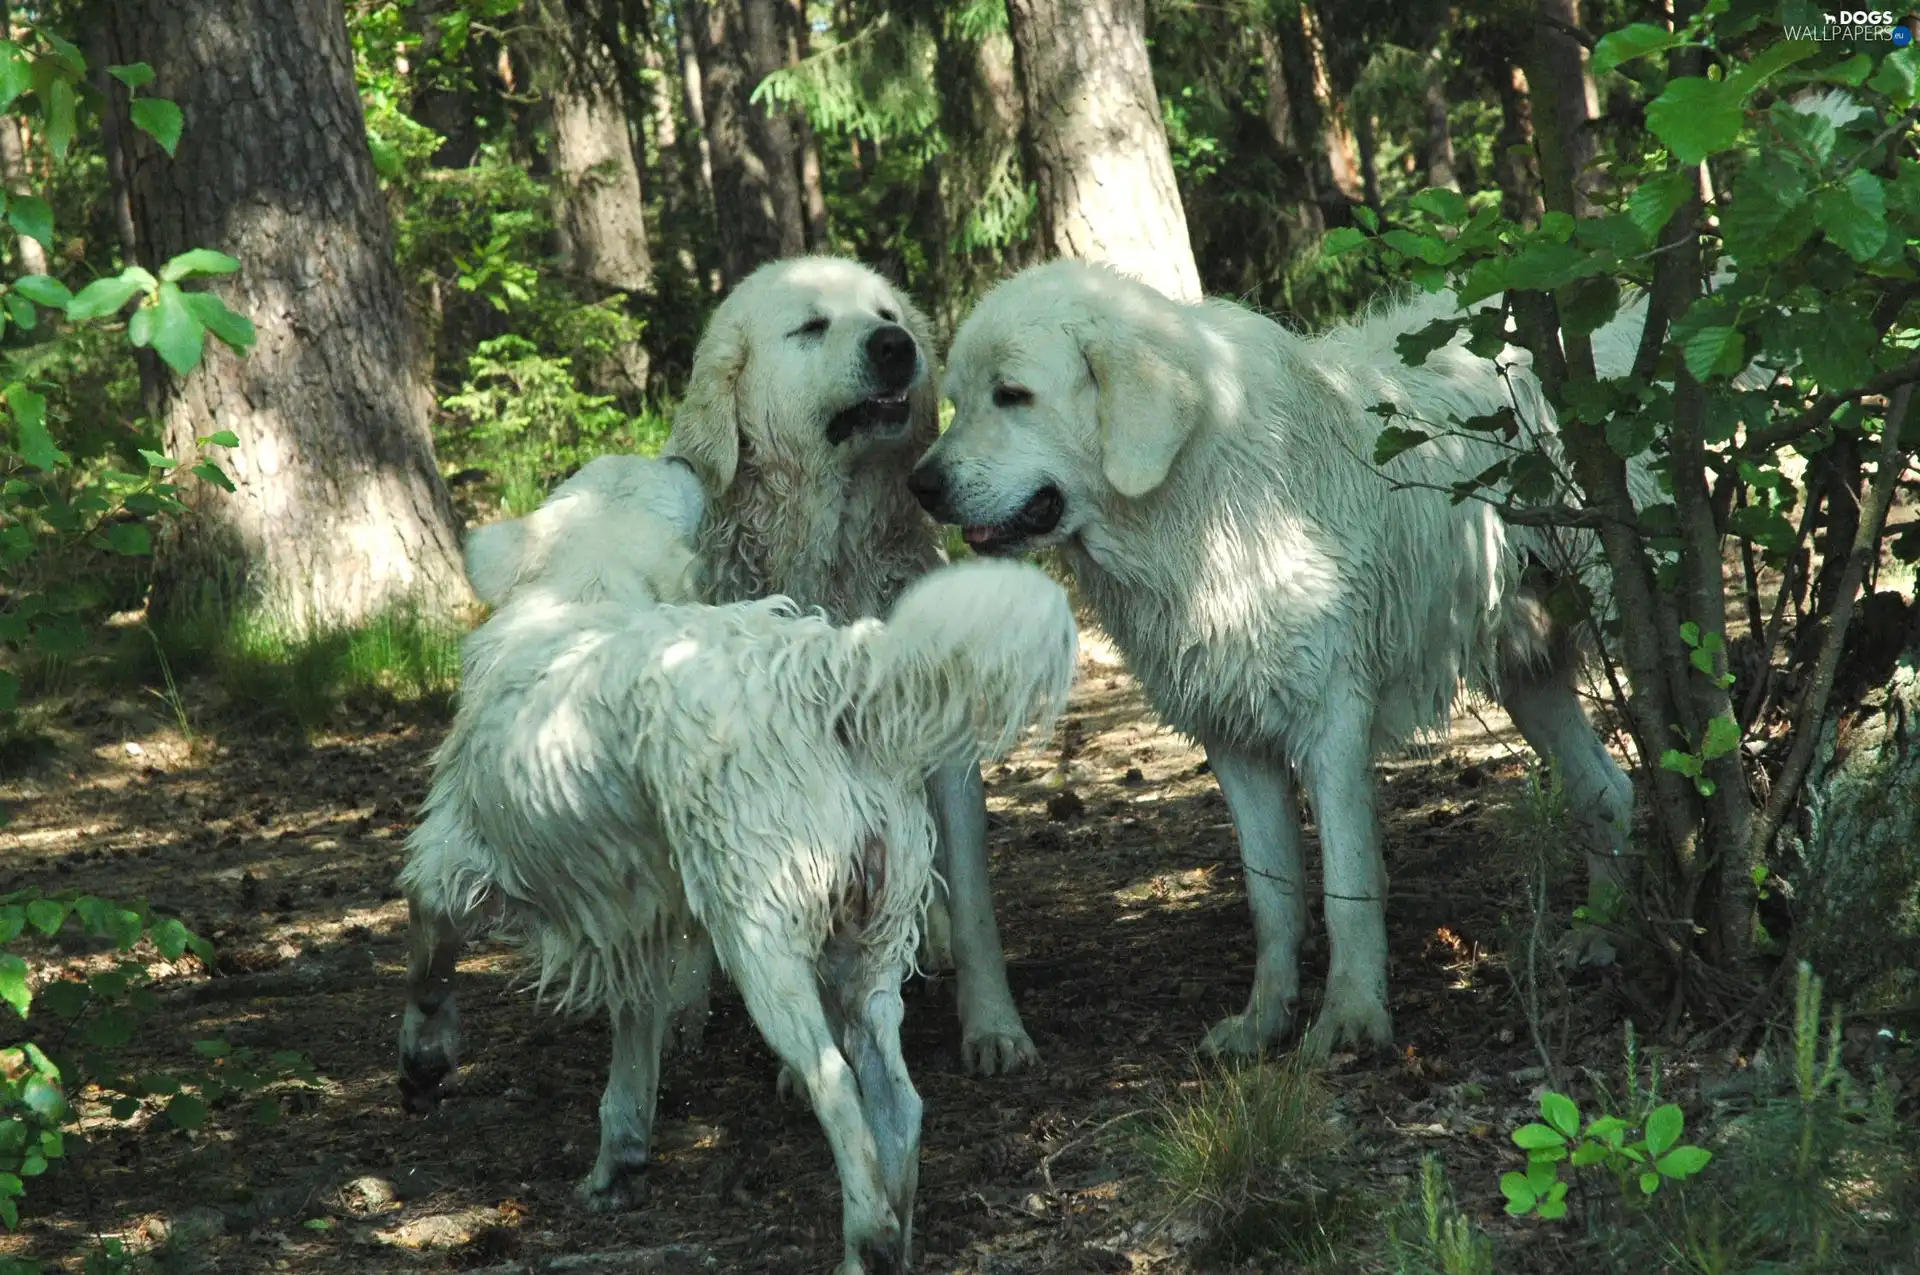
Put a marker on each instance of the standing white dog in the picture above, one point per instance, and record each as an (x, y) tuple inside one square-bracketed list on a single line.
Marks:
[(1206, 474), (633, 786), (811, 398)]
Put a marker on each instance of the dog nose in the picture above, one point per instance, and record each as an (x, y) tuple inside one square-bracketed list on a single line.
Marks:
[(891, 351), (929, 487)]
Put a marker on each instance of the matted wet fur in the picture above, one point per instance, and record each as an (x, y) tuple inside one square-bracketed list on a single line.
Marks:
[(636, 783), (794, 421)]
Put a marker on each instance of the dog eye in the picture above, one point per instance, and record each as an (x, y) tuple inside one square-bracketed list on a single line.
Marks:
[(1011, 396), (815, 326), (890, 316)]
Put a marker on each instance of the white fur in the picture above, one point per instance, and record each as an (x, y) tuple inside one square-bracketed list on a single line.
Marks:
[(1278, 601), (630, 776), (831, 524)]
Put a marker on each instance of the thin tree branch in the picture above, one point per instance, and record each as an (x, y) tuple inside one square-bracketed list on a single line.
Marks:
[(1822, 409), (1812, 706)]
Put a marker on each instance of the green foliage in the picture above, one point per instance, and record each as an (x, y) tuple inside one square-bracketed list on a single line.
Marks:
[(1437, 1238), (1656, 1156), (524, 417)]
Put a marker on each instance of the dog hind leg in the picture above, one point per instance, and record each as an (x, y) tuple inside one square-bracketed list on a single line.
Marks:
[(627, 1106), (992, 1037), (430, 1029), (871, 1013)]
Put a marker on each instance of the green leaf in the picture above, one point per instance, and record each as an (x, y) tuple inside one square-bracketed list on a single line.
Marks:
[(13, 983), (47, 915), (128, 539), (1665, 1125), (159, 119), (134, 75), (1561, 1113), (1717, 350), (1772, 60), (1415, 347), (198, 261), (212, 473), (1342, 239), (59, 129), (1443, 205), (1531, 1137), (1684, 1162), (140, 328), (1684, 763), (1554, 1207), (1854, 214), (16, 73), (186, 1111), (125, 1108), (1896, 77), (1630, 42), (1589, 305), (30, 216), (66, 997), (110, 1030), (21, 311), (1649, 1182), (30, 415), (1519, 1192), (1722, 737), (236, 330), (179, 336), (107, 296), (220, 438), (1368, 219), (1395, 439), (1653, 202), (1696, 118), (1588, 1153), (47, 291)]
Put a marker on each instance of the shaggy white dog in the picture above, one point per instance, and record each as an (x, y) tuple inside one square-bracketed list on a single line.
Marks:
[(811, 398), (1207, 475), (634, 785)]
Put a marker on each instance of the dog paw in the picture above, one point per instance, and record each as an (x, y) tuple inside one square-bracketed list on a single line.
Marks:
[(429, 1053), (997, 1051), (1243, 1036), (612, 1192), (1362, 1024), (883, 1253), (936, 939)]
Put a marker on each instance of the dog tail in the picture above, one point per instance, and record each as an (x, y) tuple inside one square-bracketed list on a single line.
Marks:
[(970, 657)]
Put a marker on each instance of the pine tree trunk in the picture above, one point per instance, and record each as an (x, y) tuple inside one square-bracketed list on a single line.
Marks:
[(1440, 161), (1519, 184), (1096, 141), (340, 509), (813, 193), (601, 209), (1573, 98), (693, 85), (756, 184), (1336, 135)]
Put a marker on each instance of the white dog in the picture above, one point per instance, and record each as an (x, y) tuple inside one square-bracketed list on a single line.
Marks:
[(811, 398), (1207, 475), (629, 779)]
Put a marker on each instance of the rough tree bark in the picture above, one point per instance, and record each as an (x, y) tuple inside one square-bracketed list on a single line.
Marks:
[(600, 207), (1576, 102), (1096, 142), (340, 510), (1336, 134), (1519, 184), (813, 194), (692, 85), (1439, 140), (756, 185)]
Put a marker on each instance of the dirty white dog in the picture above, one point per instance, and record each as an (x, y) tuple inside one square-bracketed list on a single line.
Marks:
[(812, 396), (635, 784), (1206, 473)]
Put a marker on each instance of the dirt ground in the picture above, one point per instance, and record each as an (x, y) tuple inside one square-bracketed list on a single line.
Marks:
[(1121, 907)]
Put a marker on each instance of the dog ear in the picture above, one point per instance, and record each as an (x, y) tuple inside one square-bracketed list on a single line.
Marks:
[(706, 428), (493, 556), (1149, 404)]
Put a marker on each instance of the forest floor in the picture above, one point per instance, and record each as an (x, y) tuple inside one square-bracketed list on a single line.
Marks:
[(1126, 929)]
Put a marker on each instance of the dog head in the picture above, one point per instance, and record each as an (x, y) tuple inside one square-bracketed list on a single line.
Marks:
[(1073, 387), (621, 529), (816, 361)]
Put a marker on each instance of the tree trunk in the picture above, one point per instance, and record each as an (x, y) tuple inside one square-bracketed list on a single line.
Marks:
[(601, 210), (1574, 99), (1440, 163), (13, 170), (340, 510), (813, 194), (1519, 184), (1336, 136), (692, 84), (1096, 140), (447, 111), (756, 184)]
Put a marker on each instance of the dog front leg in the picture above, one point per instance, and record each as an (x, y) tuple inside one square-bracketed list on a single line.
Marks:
[(1339, 776), (1266, 821), (992, 1038), (627, 1106), (430, 1028)]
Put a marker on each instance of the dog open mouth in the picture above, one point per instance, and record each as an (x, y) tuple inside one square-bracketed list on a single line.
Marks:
[(1038, 517), (884, 412)]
